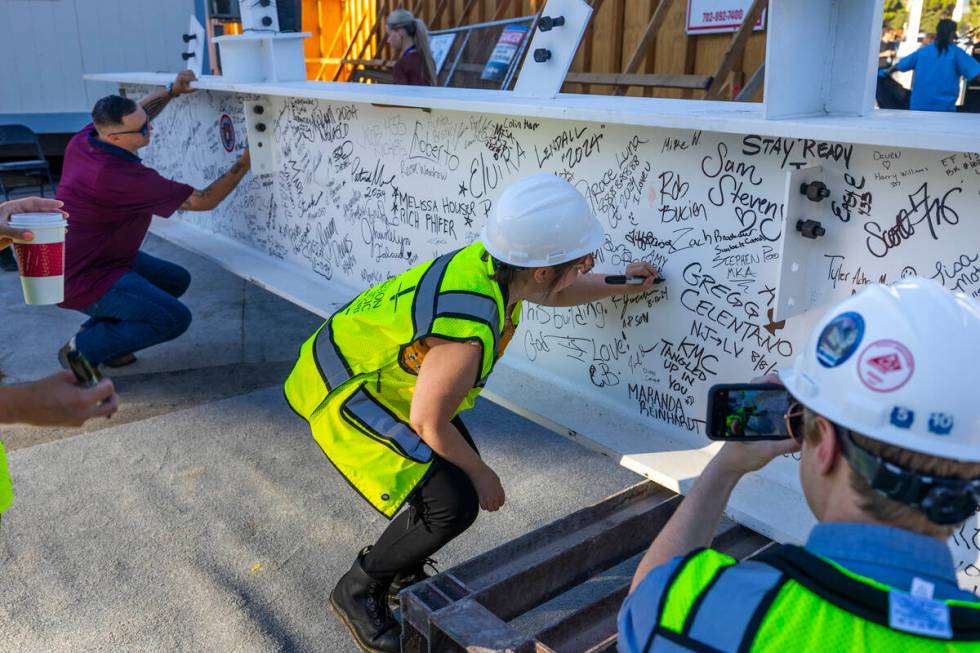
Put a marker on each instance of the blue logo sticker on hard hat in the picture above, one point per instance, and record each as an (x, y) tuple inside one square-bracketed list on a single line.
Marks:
[(226, 130), (940, 423), (840, 339), (902, 417)]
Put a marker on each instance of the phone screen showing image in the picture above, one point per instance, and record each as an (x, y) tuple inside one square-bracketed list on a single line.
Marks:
[(747, 412)]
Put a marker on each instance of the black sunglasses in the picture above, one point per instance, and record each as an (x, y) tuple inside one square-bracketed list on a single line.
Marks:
[(143, 131)]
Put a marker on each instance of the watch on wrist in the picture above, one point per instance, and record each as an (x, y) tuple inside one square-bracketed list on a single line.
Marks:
[(170, 90)]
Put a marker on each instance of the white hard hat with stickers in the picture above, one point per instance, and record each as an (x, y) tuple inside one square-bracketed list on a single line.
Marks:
[(541, 220), (899, 364)]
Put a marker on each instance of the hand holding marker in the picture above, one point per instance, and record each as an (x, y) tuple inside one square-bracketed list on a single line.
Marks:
[(637, 273)]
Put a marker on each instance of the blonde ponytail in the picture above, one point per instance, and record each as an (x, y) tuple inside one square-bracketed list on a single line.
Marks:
[(422, 43), (404, 19)]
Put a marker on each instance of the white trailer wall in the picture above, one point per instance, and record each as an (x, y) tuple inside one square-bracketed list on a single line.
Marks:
[(46, 46)]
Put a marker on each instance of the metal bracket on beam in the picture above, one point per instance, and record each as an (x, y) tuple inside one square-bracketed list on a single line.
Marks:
[(261, 136), (553, 49), (822, 57)]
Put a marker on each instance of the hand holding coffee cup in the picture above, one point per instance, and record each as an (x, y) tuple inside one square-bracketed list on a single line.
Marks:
[(9, 234), (41, 259), (39, 245), (26, 205)]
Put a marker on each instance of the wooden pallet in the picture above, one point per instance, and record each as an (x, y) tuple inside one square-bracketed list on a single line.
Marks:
[(468, 607)]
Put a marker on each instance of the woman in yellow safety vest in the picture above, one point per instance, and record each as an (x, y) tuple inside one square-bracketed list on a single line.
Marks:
[(383, 380)]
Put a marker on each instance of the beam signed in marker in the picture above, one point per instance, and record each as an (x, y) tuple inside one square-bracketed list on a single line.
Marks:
[(629, 280)]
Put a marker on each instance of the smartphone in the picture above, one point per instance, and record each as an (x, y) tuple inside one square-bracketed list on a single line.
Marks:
[(747, 411), (86, 373)]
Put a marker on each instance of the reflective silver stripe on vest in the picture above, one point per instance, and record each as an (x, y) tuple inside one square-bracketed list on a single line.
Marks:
[(332, 366), (473, 306), (424, 302), (731, 601), (466, 304), (376, 418)]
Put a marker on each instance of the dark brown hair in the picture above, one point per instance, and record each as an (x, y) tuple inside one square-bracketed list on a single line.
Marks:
[(505, 273), (110, 110)]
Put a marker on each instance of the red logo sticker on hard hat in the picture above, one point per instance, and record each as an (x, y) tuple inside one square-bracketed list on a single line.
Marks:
[(839, 339), (885, 365)]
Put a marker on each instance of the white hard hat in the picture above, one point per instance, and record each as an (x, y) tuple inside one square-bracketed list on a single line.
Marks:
[(539, 221), (899, 364)]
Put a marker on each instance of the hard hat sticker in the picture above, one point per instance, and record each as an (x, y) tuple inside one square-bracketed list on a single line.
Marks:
[(885, 365), (839, 339), (940, 423), (902, 417)]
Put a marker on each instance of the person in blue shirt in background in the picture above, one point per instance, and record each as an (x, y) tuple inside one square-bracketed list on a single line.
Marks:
[(938, 68)]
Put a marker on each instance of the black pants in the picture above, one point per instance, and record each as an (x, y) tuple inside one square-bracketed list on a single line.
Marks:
[(443, 506)]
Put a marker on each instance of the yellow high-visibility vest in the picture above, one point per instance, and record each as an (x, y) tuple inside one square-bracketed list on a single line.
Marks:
[(6, 489), (789, 599), (354, 379)]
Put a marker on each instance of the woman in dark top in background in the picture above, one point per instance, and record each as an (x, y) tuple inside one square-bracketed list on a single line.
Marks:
[(409, 38)]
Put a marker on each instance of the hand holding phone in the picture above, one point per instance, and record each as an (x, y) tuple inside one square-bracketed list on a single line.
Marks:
[(59, 400), (741, 412), (86, 373)]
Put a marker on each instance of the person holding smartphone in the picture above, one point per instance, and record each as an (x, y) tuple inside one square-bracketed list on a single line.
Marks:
[(57, 400), (883, 410)]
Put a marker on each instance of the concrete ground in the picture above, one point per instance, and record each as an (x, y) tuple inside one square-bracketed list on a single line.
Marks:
[(203, 517)]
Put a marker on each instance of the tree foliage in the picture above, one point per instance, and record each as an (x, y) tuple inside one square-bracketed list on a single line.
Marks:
[(896, 13)]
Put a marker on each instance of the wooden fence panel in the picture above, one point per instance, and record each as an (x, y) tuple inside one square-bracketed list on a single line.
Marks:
[(671, 49), (636, 16), (610, 41), (607, 50)]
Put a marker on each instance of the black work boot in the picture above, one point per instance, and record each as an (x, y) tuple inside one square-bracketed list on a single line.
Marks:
[(408, 578), (360, 602)]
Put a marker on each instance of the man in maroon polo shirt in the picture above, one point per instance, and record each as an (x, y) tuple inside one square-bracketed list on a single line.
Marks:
[(111, 197)]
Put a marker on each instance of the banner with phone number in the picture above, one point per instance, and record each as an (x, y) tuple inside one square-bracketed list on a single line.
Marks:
[(714, 16)]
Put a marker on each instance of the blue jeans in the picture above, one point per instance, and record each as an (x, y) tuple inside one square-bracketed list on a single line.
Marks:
[(138, 311)]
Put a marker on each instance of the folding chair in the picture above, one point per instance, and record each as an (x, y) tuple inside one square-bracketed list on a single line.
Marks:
[(18, 140)]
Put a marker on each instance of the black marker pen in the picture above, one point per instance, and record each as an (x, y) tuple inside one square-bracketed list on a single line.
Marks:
[(629, 280)]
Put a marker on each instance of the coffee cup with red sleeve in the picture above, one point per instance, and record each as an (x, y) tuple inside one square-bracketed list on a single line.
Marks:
[(41, 261)]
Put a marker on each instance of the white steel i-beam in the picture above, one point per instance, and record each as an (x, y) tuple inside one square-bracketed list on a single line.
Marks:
[(822, 57)]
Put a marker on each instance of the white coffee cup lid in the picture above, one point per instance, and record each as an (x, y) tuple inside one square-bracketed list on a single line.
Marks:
[(23, 220)]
